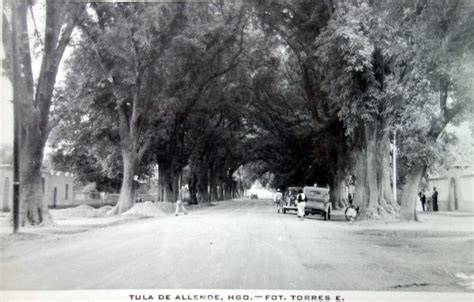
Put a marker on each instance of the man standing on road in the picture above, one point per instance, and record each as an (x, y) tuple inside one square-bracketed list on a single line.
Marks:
[(434, 200), (277, 199), (179, 202), (301, 200)]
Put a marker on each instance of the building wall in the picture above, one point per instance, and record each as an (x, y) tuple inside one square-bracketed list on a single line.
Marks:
[(53, 181), (466, 192), (62, 184), (442, 186), (6, 187), (455, 192)]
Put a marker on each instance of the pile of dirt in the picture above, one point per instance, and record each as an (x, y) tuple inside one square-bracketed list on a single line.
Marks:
[(79, 211), (103, 210), (144, 209), (167, 207)]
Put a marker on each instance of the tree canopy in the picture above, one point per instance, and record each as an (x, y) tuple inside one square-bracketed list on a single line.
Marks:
[(294, 92)]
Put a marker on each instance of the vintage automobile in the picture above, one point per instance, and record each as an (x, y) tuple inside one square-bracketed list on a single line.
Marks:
[(289, 199), (317, 201), (253, 196)]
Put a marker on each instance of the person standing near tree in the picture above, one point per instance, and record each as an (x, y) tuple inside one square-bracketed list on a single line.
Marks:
[(301, 200), (179, 202), (434, 200)]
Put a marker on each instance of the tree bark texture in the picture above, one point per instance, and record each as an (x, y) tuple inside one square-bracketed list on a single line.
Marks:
[(375, 200), (166, 186), (410, 192), (34, 103)]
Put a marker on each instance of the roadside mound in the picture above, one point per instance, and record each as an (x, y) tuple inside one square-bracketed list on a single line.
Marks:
[(144, 209), (79, 211), (166, 207), (103, 210)]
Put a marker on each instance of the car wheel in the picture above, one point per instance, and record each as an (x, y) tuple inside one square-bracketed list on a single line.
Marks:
[(284, 211), (328, 214)]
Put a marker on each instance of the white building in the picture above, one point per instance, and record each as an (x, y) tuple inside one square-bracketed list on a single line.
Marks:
[(57, 188)]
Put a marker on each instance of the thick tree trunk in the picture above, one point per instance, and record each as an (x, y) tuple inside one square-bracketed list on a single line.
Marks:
[(35, 104), (337, 193), (378, 197), (371, 176), (128, 188), (166, 183), (201, 183), (338, 186), (360, 195), (410, 193), (174, 187), (34, 208), (214, 193), (193, 188)]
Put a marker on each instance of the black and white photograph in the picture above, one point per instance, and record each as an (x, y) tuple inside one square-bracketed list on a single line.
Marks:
[(243, 151)]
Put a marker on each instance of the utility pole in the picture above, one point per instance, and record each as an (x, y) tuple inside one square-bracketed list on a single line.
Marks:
[(394, 154), (16, 121)]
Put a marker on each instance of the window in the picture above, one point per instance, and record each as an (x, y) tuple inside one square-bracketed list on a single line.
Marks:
[(66, 192)]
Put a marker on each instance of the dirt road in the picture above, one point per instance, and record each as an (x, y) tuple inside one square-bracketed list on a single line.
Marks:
[(247, 245)]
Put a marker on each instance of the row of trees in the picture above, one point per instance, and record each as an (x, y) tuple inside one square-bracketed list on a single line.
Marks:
[(308, 91)]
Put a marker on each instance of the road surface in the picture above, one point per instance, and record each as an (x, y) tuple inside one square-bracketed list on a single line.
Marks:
[(241, 245)]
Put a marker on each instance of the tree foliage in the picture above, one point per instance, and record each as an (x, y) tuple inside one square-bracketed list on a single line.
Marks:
[(305, 91)]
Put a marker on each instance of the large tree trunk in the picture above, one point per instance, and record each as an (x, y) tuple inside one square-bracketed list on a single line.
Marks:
[(360, 195), (193, 190), (166, 183), (371, 176), (338, 185), (34, 208), (128, 188), (36, 103), (132, 153), (410, 193), (379, 203)]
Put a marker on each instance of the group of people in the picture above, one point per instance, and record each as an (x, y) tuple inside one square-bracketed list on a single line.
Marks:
[(300, 202), (428, 200)]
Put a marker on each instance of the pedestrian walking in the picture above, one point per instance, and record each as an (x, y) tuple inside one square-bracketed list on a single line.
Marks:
[(179, 202), (434, 200), (277, 197), (301, 200)]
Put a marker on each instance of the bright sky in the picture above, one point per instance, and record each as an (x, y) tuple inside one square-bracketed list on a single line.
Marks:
[(6, 107)]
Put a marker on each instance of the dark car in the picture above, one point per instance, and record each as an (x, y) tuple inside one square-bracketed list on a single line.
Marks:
[(253, 196)]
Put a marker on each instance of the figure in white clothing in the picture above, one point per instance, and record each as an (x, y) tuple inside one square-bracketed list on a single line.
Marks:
[(301, 200), (179, 202), (277, 199)]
